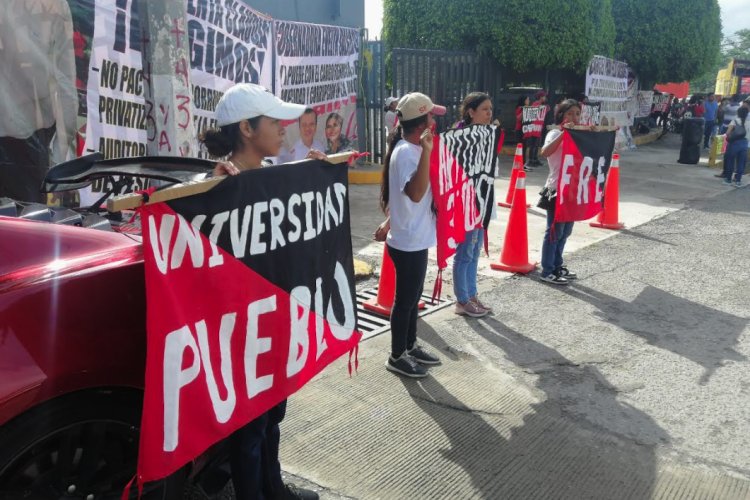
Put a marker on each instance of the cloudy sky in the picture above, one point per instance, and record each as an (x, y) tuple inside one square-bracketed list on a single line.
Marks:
[(735, 15)]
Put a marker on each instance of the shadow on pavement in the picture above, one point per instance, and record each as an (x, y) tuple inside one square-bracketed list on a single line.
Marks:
[(547, 454), (701, 334)]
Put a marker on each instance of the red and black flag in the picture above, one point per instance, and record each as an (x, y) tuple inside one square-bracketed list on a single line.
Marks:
[(250, 293), (462, 177), (586, 156), (532, 120)]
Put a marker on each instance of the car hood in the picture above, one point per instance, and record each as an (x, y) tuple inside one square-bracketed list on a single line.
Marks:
[(34, 251)]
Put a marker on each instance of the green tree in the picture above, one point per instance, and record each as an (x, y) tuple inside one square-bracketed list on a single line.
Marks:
[(523, 35), (668, 40)]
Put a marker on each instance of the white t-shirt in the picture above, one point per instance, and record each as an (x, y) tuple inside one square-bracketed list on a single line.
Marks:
[(299, 151), (554, 160), (412, 224)]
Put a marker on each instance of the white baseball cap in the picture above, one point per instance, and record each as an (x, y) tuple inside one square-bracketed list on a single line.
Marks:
[(247, 100), (416, 104), (390, 100)]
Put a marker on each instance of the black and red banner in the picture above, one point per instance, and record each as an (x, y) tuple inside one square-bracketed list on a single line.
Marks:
[(250, 293), (532, 120), (585, 162), (462, 177)]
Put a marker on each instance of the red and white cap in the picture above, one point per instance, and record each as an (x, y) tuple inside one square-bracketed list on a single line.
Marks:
[(416, 104), (247, 100)]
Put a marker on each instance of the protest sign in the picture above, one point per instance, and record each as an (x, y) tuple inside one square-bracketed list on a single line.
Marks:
[(644, 100), (250, 293), (462, 175), (590, 113), (608, 82), (229, 43), (532, 120), (316, 65), (586, 159)]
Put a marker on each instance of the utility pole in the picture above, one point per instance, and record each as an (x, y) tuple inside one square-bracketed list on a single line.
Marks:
[(166, 75)]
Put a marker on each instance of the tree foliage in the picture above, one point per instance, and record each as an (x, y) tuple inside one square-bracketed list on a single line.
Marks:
[(520, 34), (668, 40)]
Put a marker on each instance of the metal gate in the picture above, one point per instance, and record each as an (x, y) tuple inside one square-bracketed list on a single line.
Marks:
[(447, 77)]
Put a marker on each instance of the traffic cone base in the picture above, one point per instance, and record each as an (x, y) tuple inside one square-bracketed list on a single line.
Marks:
[(509, 205), (603, 225), (520, 269), (373, 306)]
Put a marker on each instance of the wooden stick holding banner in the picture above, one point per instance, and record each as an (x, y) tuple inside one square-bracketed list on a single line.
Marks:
[(135, 200)]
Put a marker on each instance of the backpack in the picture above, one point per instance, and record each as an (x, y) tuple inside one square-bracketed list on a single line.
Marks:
[(738, 132)]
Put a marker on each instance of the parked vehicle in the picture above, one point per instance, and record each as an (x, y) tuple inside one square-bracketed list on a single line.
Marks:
[(73, 342)]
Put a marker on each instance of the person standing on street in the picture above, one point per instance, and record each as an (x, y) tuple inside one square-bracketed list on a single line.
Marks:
[(736, 155), (476, 109), (249, 120), (711, 108), (556, 234), (406, 196)]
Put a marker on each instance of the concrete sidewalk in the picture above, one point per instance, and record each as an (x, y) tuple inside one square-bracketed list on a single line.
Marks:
[(636, 387)]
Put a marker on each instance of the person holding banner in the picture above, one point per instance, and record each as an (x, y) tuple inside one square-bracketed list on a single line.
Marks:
[(476, 109), (406, 196), (555, 236), (522, 101), (336, 141), (249, 120)]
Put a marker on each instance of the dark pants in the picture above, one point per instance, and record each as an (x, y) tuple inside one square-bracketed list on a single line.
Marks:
[(24, 164), (735, 159), (708, 131), (532, 146), (411, 268), (254, 457)]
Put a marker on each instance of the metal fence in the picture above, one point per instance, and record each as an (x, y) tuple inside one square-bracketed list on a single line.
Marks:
[(443, 75)]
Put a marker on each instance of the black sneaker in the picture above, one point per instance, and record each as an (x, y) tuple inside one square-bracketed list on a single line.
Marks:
[(292, 492), (422, 356), (405, 365), (566, 273), (554, 279)]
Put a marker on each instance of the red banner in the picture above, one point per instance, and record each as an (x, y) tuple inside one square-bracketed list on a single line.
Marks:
[(586, 157), (244, 305)]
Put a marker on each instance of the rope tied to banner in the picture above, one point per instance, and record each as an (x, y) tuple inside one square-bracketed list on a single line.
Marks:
[(145, 196)]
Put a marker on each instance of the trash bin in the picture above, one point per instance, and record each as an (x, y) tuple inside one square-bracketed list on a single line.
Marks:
[(692, 140)]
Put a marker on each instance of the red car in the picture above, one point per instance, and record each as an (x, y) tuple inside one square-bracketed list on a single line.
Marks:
[(73, 342)]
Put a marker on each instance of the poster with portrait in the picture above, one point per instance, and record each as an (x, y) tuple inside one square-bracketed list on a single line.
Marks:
[(316, 65)]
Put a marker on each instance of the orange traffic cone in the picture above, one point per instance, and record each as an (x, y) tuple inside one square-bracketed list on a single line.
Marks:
[(517, 167), (383, 303), (607, 218), (515, 255)]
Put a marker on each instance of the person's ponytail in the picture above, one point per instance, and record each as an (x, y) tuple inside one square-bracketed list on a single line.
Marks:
[(393, 139)]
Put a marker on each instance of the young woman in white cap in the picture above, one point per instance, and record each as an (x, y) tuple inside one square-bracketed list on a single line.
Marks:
[(249, 120), (405, 194)]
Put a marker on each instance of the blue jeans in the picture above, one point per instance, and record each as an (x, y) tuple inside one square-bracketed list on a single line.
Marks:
[(552, 249), (708, 132), (735, 159), (465, 265)]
